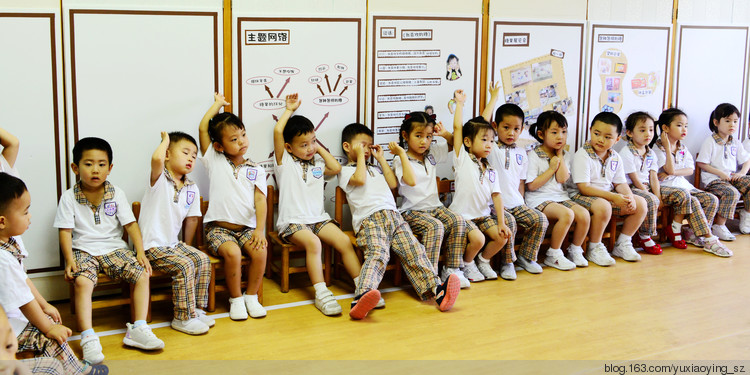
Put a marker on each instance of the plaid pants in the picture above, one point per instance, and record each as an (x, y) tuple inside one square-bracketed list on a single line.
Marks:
[(32, 339), (190, 269), (535, 224), (381, 231), (44, 365), (484, 224), (699, 206), (648, 228), (729, 193), (433, 226)]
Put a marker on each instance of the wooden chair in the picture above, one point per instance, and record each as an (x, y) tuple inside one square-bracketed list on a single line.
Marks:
[(287, 250), (697, 184)]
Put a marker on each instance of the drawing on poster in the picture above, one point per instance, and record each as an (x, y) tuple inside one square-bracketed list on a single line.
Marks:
[(548, 94), (612, 83), (644, 84), (453, 70), (541, 71), (564, 106), (518, 98), (520, 77), (611, 99)]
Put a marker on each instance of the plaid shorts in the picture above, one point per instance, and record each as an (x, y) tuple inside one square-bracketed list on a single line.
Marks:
[(217, 235), (535, 224), (43, 365), (567, 203), (587, 201), (314, 227), (483, 223), (729, 193), (648, 227), (32, 339), (190, 269), (119, 264)]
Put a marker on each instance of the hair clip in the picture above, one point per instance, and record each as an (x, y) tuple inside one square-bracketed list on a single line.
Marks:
[(432, 116), (408, 116)]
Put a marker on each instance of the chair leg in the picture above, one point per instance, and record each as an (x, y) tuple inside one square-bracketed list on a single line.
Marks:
[(72, 294), (269, 262), (284, 270), (397, 272), (327, 255), (212, 290)]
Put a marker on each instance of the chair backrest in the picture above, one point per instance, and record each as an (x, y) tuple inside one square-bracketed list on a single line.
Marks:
[(272, 204), (697, 174), (340, 201)]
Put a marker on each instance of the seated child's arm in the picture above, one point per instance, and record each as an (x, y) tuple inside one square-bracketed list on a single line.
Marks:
[(390, 177), (333, 167), (458, 139), (203, 138), (742, 171), (653, 178), (586, 189), (46, 307), (563, 173), (408, 171), (10, 146), (636, 181), (440, 130), (158, 158), (258, 238), (554, 166), (134, 233), (711, 169), (66, 246), (490, 108), (33, 312), (191, 224), (502, 226), (625, 194), (292, 103), (360, 173)]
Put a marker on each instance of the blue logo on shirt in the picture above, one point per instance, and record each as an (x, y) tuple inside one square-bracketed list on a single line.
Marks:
[(110, 208), (317, 172), (519, 159), (252, 174), (491, 176), (190, 197), (613, 165), (431, 159), (734, 150)]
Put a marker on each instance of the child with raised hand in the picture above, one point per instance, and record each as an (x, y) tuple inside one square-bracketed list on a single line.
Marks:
[(546, 178), (300, 165), (719, 157), (676, 162), (236, 216), (639, 162), (421, 207), (598, 173), (11, 146), (380, 227), (477, 186)]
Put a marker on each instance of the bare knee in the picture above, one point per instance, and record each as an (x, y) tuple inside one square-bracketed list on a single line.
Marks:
[(476, 239), (83, 284), (581, 216), (601, 209)]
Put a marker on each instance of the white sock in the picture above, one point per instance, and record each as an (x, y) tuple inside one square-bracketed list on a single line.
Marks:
[(481, 259), (593, 244), (575, 249), (320, 287), (649, 243), (556, 252), (251, 297), (710, 239), (676, 228)]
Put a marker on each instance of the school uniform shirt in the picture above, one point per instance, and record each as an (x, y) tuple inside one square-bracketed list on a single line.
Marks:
[(232, 189), (746, 145), (365, 200), (633, 161), (601, 174), (301, 186), (551, 190), (474, 188), (6, 168), (724, 156), (14, 292), (96, 230), (424, 194), (511, 164), (164, 208), (682, 159)]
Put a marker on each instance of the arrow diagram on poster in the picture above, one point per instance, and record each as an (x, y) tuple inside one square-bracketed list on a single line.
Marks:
[(342, 91), (328, 83), (275, 118), (268, 90), (283, 87), (321, 90), (337, 82), (321, 121)]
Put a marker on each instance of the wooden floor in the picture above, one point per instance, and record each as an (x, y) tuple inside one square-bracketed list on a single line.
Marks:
[(683, 304)]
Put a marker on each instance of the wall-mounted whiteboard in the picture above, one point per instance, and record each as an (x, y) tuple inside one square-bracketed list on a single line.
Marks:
[(418, 62), (133, 74), (539, 66), (31, 109), (711, 69), (628, 69)]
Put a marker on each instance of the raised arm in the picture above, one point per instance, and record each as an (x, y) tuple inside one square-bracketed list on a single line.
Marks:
[(390, 177), (333, 167), (458, 138), (158, 158), (406, 167), (360, 173), (494, 92), (292, 103), (440, 130), (203, 138), (10, 146)]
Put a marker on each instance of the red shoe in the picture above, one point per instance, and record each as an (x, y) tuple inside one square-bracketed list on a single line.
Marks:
[(653, 250), (680, 244)]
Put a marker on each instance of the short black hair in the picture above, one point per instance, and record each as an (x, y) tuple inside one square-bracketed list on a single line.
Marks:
[(221, 121), (544, 122), (474, 127), (11, 188), (608, 118), (352, 130), (91, 143), (297, 125), (175, 137), (508, 109), (721, 111)]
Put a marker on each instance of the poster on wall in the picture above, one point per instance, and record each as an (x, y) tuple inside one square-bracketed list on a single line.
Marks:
[(417, 64), (318, 58), (539, 67), (628, 69)]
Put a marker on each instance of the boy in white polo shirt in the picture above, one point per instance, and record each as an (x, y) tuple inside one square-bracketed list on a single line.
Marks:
[(8, 157), (171, 198), (300, 165), (598, 172), (380, 227), (90, 218), (236, 216)]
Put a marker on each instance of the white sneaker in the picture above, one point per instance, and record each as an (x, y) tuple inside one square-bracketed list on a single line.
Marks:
[(445, 272), (203, 317), (529, 265), (626, 251), (142, 337), (92, 349), (744, 221), (576, 256), (599, 256), (381, 304), (237, 309), (192, 326), (556, 259), (717, 248), (722, 232), (508, 271), (486, 270), (327, 304), (254, 308), (690, 237), (471, 272)]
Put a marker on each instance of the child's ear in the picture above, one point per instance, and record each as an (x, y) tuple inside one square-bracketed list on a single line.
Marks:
[(288, 147), (110, 167), (346, 146), (166, 156), (716, 122), (74, 167), (467, 142), (540, 134), (3, 222), (406, 136), (617, 139), (218, 147)]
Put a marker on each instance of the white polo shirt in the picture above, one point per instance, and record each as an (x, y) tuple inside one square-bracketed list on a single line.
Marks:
[(632, 162), (474, 189), (98, 230), (232, 189), (682, 159), (723, 156), (6, 168), (551, 190), (164, 208), (14, 292), (746, 144), (588, 167), (365, 200), (424, 194), (511, 164), (301, 191)]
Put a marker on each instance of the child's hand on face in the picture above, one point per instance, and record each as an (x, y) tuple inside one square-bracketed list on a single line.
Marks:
[(395, 149), (377, 152), (460, 96), (665, 143), (358, 149), (293, 102), (494, 89), (218, 98)]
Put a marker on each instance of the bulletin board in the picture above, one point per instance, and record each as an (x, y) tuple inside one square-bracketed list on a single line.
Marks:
[(31, 110), (628, 69), (539, 66)]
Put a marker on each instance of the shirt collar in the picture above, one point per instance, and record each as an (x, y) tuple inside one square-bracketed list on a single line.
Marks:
[(303, 161), (109, 193), (12, 247), (236, 168), (541, 154), (721, 142), (590, 150)]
